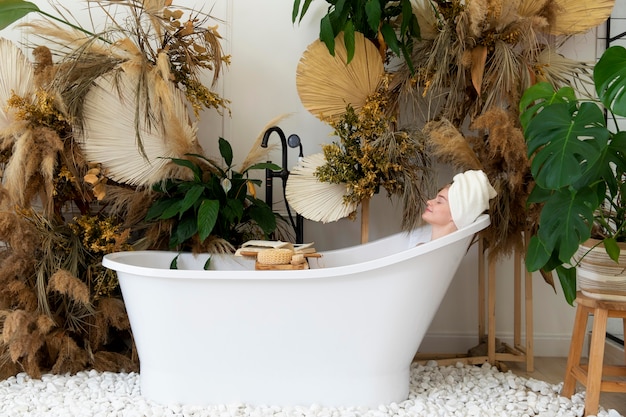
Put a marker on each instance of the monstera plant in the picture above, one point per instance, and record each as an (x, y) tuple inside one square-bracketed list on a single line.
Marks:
[(578, 163)]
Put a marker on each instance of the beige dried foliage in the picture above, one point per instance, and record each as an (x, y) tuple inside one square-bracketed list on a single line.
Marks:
[(326, 84), (426, 19), (18, 233), (449, 145), (70, 358), (257, 153), (213, 244), (554, 67), (15, 324), (16, 266), (501, 146), (63, 39), (21, 295), (579, 16), (54, 342), (476, 14), (7, 367), (533, 7), (130, 204), (506, 141), (114, 362), (32, 367), (23, 340), (45, 323), (109, 312), (113, 313), (32, 167), (45, 70), (66, 283), (155, 236)]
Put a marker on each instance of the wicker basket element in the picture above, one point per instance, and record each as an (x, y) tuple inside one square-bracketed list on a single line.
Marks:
[(274, 256)]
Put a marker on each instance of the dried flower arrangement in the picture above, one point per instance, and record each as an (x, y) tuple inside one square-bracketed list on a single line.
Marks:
[(372, 152), (76, 186), (461, 86), (371, 155)]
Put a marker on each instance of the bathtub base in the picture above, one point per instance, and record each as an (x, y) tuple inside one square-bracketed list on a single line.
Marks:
[(256, 389)]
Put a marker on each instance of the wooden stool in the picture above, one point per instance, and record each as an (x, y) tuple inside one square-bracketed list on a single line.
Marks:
[(591, 375)]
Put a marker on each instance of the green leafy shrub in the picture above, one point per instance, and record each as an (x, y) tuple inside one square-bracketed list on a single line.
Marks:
[(217, 201)]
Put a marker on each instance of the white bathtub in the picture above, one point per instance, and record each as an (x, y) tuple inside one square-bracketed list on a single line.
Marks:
[(341, 335)]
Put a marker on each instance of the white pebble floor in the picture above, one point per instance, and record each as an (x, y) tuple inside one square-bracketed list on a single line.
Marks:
[(460, 390)]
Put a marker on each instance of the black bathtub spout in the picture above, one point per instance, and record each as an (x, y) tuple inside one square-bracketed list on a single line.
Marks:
[(291, 142)]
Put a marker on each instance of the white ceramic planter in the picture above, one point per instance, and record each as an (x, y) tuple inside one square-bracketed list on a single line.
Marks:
[(342, 333), (598, 276)]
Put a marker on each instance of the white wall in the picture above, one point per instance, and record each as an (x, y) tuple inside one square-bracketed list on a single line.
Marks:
[(266, 48)]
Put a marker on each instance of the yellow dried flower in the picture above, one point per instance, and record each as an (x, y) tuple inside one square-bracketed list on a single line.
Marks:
[(362, 159)]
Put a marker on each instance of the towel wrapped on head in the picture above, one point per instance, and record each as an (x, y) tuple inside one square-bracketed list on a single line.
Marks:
[(469, 196)]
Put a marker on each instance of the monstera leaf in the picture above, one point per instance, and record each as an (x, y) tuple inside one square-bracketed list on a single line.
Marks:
[(609, 76), (578, 165), (564, 139)]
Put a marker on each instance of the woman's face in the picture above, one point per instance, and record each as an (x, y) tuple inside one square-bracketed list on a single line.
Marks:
[(437, 210)]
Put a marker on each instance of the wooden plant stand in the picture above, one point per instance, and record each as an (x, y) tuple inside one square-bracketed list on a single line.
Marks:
[(490, 349)]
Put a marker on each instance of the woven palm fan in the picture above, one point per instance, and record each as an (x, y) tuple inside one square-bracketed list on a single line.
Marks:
[(16, 76), (326, 84), (579, 16), (313, 199), (119, 135)]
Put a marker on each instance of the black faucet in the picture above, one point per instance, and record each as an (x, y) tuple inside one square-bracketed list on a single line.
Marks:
[(292, 141)]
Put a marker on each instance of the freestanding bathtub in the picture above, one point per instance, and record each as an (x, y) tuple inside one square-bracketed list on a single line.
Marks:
[(342, 333)]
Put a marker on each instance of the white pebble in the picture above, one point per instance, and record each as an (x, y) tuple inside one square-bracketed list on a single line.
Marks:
[(458, 390)]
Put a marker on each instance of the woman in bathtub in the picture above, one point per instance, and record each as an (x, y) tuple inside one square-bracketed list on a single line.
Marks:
[(457, 205)]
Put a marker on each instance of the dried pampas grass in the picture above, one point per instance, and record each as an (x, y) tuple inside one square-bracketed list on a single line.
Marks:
[(24, 338), (501, 146), (19, 234), (32, 165), (70, 357), (21, 295), (129, 203), (449, 145), (257, 153), (109, 313), (65, 283)]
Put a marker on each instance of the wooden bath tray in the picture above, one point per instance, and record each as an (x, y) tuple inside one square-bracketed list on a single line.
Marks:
[(285, 267)]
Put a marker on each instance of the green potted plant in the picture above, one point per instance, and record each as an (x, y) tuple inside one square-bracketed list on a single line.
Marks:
[(216, 200), (578, 164)]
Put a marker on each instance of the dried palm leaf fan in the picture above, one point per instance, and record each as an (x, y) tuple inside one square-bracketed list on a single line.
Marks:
[(130, 128), (313, 199), (16, 77), (579, 16), (326, 84)]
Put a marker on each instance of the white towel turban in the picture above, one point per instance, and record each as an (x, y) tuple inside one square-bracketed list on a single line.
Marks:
[(469, 196)]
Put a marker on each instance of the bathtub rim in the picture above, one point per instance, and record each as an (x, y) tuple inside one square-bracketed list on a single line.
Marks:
[(115, 261)]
